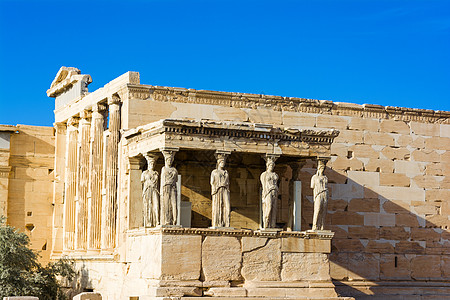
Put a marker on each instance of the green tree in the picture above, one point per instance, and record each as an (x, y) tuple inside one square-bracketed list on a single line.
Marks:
[(21, 274)]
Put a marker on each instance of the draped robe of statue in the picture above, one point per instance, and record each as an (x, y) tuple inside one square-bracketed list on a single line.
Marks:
[(169, 178), (269, 180), (150, 197), (220, 192), (319, 184)]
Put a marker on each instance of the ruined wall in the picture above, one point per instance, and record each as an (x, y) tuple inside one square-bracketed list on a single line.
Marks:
[(389, 193), (30, 185)]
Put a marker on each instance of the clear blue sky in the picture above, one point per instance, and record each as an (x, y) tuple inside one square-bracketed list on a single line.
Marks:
[(389, 52)]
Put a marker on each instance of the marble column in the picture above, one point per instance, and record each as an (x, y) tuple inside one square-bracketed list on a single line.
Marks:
[(70, 188), (295, 193), (84, 129), (110, 211), (96, 180)]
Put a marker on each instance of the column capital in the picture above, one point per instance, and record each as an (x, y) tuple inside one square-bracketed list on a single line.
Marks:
[(323, 159), (114, 100), (85, 114), (73, 121), (98, 107), (271, 157), (169, 149)]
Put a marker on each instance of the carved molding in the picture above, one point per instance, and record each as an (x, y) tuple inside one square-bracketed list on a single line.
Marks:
[(277, 103), (249, 131), (327, 235)]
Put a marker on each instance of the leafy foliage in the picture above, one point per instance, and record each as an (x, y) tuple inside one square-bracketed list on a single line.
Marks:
[(21, 274)]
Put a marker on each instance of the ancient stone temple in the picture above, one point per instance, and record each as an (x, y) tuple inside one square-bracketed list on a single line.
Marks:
[(173, 193)]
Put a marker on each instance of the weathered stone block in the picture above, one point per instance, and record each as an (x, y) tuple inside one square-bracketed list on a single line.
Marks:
[(394, 179), (364, 205), (349, 136), (428, 181), (230, 114), (181, 257), (403, 141), (394, 266), (393, 233), (252, 243), (378, 219), (347, 245), (404, 247), (263, 264), (88, 296), (379, 138), (394, 126), (292, 244), (426, 267), (425, 234), (343, 163), (410, 168), (221, 258), (363, 232), (437, 143), (379, 247), (337, 122), (364, 124), (362, 150), (427, 129), (425, 155), (379, 165), (305, 266), (444, 130), (400, 193), (363, 266), (298, 120), (395, 153), (347, 218), (406, 219), (364, 178)]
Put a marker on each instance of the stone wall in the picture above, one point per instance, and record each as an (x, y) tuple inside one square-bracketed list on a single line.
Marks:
[(389, 193), (220, 263), (30, 185)]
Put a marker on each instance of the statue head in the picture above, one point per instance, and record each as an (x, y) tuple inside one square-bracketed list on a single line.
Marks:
[(321, 166), (151, 160), (270, 161), (221, 160), (168, 157)]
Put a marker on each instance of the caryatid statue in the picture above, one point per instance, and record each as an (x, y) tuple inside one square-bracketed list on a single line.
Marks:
[(269, 182), (150, 192), (220, 192), (319, 184), (169, 178)]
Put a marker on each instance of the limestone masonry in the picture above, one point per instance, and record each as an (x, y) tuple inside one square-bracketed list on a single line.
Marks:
[(173, 193)]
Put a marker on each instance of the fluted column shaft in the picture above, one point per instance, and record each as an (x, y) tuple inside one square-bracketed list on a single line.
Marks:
[(70, 184), (110, 212), (96, 180), (84, 128)]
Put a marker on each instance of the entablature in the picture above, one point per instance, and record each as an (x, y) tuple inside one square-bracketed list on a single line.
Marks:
[(228, 136)]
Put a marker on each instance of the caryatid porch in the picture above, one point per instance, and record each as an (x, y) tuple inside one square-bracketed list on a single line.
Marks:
[(194, 144)]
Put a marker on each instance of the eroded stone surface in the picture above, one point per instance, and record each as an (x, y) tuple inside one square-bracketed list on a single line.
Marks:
[(305, 266), (221, 258), (263, 264)]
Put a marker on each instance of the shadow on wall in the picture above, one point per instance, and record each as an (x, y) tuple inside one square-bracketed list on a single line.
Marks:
[(30, 191), (380, 237)]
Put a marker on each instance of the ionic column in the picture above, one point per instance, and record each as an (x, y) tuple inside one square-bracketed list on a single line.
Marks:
[(110, 212), (70, 183), (84, 128), (95, 204)]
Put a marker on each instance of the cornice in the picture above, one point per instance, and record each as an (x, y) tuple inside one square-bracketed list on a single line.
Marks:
[(288, 104), (251, 131)]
